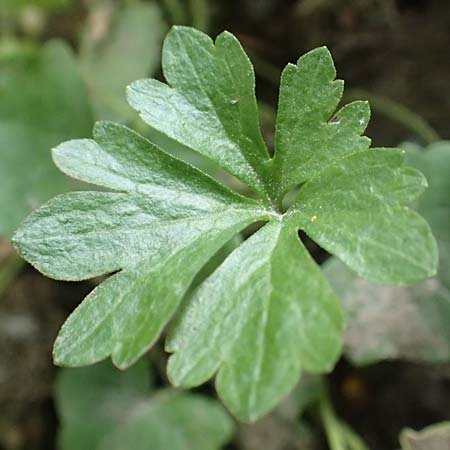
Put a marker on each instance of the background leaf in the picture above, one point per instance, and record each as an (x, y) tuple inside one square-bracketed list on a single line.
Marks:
[(434, 437), (43, 103), (119, 44), (408, 323), (434, 204), (103, 408)]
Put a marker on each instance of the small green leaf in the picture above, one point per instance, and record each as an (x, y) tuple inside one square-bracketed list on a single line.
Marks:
[(434, 437), (102, 408), (260, 328), (43, 102), (128, 49)]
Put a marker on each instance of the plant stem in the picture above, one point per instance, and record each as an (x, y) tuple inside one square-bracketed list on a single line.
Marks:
[(331, 423), (354, 441), (340, 436)]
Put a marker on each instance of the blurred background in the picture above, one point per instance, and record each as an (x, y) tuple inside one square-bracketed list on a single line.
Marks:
[(65, 64)]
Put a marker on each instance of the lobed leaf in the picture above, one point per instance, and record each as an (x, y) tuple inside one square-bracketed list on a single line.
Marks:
[(166, 204), (266, 313), (410, 322)]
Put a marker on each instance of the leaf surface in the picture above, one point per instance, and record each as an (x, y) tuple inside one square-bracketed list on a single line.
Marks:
[(163, 205), (209, 103), (354, 209), (308, 137), (259, 327)]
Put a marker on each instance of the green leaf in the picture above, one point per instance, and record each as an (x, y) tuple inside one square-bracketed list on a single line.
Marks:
[(433, 437), (132, 35), (209, 103), (43, 102), (307, 136), (256, 328), (266, 313), (103, 408)]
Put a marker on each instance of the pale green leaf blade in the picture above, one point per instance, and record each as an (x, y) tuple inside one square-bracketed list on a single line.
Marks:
[(209, 105), (306, 138), (103, 408), (407, 323), (126, 48), (118, 158), (355, 210), (433, 437), (125, 314), (434, 205), (259, 327), (43, 102)]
